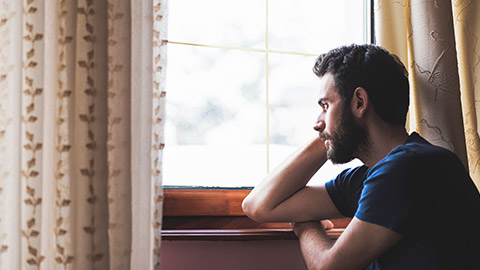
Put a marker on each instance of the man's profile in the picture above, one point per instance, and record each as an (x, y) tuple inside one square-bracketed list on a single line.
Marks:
[(405, 202)]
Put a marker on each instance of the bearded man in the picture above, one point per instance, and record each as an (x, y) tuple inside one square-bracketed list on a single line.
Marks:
[(406, 199)]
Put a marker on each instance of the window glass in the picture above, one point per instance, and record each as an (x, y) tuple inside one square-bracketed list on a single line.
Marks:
[(314, 26), (241, 94), (218, 22), (293, 91), (215, 116)]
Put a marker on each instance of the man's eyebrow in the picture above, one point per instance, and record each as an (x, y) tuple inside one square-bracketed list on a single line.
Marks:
[(322, 100)]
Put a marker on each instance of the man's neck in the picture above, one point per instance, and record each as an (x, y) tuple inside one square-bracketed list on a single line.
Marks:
[(382, 140)]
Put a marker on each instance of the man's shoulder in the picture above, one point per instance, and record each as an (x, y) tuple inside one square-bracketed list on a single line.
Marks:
[(417, 144), (349, 179), (417, 162), (354, 172), (419, 152)]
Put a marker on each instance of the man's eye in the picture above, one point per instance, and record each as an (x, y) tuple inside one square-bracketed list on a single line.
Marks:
[(324, 105)]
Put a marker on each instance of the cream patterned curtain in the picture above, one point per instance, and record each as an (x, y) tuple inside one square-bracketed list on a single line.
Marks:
[(439, 42), (81, 133)]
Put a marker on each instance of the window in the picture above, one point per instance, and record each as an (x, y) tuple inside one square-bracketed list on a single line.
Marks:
[(241, 93), (241, 98)]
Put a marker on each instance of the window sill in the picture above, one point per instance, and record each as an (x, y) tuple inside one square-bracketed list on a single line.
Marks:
[(237, 234), (216, 214)]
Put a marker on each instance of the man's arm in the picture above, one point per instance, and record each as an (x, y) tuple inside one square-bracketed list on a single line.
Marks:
[(283, 195), (359, 245)]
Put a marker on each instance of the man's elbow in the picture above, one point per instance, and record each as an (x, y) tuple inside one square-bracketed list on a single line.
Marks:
[(253, 210)]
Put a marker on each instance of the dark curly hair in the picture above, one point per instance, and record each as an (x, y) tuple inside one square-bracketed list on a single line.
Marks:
[(379, 72)]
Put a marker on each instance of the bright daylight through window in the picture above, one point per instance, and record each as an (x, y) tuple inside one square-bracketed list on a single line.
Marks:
[(241, 91)]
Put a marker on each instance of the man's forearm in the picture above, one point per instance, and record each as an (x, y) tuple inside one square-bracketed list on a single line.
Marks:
[(314, 243), (291, 176)]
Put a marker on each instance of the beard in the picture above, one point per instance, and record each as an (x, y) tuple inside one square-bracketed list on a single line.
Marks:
[(348, 141)]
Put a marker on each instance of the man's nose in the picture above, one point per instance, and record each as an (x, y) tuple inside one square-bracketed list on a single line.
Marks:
[(319, 125)]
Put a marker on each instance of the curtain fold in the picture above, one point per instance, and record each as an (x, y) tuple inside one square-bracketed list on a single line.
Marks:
[(82, 89), (467, 29), (437, 40)]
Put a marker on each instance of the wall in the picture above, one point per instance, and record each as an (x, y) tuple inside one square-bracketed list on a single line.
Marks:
[(231, 255)]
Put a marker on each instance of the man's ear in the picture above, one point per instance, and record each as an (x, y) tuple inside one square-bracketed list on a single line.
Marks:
[(360, 102)]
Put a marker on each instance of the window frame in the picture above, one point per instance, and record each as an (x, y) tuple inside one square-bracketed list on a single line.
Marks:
[(216, 214), (202, 213)]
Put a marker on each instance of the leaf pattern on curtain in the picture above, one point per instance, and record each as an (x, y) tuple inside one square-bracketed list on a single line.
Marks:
[(118, 142), (62, 232), (32, 143), (66, 148), (159, 53), (92, 158)]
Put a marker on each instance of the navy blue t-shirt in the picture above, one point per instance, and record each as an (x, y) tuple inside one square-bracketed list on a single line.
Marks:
[(423, 192)]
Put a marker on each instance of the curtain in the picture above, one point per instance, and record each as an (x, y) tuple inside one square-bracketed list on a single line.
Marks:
[(438, 42), (81, 133)]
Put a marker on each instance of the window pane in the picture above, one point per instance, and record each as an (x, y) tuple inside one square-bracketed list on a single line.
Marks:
[(216, 130), (294, 109), (293, 106), (314, 26), (219, 22), (293, 94), (216, 117)]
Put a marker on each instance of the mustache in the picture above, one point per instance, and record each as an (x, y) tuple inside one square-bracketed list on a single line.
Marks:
[(325, 136)]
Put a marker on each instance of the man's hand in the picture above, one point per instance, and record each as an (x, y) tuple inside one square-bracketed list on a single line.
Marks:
[(283, 195), (361, 243), (300, 227)]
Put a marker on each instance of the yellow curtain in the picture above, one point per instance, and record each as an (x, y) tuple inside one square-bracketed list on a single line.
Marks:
[(438, 42), (81, 133)]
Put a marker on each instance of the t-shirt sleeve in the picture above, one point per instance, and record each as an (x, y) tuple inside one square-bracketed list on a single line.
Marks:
[(345, 190), (386, 199)]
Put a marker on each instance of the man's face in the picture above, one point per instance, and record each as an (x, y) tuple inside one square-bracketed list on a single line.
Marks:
[(346, 140), (344, 137)]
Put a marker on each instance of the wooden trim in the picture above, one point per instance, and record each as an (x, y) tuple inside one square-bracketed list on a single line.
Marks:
[(229, 223), (217, 222), (216, 214), (245, 234), (203, 202)]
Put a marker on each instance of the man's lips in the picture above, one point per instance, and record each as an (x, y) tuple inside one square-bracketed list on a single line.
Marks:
[(326, 140)]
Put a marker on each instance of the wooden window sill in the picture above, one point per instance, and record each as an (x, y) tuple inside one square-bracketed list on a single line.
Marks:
[(216, 214), (238, 234)]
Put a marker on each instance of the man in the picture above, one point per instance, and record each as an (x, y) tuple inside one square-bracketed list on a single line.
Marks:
[(406, 201)]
